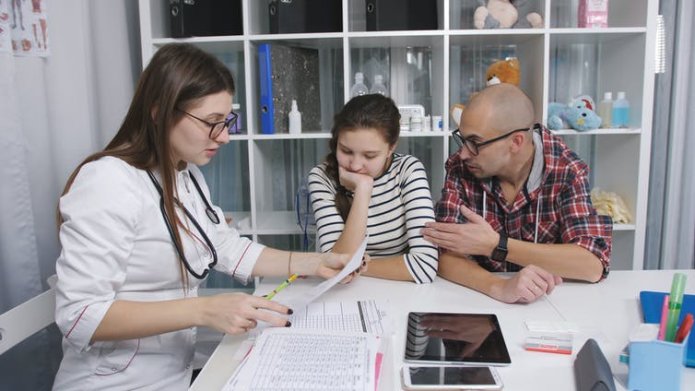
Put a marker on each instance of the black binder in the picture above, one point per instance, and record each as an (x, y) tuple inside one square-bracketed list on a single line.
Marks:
[(286, 73), (305, 16), (383, 15), (199, 18)]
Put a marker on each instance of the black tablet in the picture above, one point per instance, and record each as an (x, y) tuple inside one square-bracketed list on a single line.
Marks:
[(447, 338)]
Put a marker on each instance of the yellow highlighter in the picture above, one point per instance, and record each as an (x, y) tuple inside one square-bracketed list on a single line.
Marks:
[(282, 286)]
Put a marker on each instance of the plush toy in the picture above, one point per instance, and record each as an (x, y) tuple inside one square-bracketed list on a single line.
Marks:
[(502, 71), (578, 115), (493, 14)]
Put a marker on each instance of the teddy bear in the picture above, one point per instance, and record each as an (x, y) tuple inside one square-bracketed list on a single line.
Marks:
[(578, 115), (502, 71), (492, 14)]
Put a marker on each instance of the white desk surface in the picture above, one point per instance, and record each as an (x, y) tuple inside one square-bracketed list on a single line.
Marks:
[(606, 311)]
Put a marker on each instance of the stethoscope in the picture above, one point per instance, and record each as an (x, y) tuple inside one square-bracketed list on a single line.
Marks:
[(212, 215)]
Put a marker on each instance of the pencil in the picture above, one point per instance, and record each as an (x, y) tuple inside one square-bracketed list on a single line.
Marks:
[(282, 286)]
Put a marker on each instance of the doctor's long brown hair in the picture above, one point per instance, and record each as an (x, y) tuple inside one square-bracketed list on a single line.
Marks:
[(177, 76), (372, 111)]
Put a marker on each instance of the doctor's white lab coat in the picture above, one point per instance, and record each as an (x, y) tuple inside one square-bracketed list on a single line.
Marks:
[(116, 247)]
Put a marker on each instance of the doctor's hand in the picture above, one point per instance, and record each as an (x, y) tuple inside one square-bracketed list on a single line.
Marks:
[(526, 286), (476, 237), (324, 265), (355, 182), (237, 313)]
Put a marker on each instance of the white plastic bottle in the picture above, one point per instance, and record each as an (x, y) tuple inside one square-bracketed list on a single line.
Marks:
[(359, 88), (295, 119), (605, 110), (378, 87), (621, 111)]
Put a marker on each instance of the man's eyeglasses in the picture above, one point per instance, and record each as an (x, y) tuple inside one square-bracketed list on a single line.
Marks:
[(474, 146), (216, 127)]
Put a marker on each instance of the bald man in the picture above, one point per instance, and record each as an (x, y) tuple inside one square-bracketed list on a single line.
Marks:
[(516, 199)]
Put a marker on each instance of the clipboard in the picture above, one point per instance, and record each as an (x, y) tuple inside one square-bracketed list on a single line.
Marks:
[(651, 303)]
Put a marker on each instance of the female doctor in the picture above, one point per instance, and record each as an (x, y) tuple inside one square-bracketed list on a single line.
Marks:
[(139, 235)]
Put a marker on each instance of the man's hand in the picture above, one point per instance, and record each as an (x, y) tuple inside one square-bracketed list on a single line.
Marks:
[(526, 286), (476, 237)]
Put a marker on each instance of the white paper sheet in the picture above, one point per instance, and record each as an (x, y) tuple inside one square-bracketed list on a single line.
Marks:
[(287, 359), (314, 293), (368, 316)]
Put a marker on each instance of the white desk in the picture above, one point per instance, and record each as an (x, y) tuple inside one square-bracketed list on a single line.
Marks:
[(606, 311)]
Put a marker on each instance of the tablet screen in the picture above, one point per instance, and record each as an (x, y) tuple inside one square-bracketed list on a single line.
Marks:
[(455, 338)]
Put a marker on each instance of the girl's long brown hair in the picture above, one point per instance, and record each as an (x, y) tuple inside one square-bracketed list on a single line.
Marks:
[(177, 76), (372, 111)]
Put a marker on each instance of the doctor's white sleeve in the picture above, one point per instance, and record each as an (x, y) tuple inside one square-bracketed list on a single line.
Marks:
[(100, 214)]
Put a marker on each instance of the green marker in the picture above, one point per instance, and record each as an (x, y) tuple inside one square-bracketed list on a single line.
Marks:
[(674, 305)]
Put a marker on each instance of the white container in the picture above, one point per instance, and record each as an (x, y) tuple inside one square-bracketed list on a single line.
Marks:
[(605, 110), (378, 87), (427, 123), (359, 88), (295, 118), (405, 123), (416, 123), (437, 124)]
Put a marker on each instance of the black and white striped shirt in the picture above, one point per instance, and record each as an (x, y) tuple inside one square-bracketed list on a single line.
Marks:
[(400, 206)]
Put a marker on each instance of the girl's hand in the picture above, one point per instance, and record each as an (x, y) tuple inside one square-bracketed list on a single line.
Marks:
[(363, 268), (355, 182)]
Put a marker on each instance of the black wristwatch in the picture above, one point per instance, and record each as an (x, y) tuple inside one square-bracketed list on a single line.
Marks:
[(500, 252)]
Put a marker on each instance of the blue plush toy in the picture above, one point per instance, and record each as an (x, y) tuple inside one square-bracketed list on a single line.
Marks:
[(578, 115)]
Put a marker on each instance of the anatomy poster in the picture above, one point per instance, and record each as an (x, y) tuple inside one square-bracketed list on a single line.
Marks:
[(5, 41), (24, 27)]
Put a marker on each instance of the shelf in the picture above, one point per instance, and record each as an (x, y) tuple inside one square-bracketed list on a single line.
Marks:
[(259, 175), (407, 133), (213, 45), (314, 41), (200, 40), (295, 37), (596, 31), (597, 132), (599, 36), (277, 223), (287, 136), (496, 32), (312, 136), (494, 39)]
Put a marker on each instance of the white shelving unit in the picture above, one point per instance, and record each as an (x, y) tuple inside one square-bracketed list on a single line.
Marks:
[(435, 68)]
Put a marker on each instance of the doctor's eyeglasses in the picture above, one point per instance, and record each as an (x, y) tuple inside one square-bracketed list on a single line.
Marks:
[(216, 128)]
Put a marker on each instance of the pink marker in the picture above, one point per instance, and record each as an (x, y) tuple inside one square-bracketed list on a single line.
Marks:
[(664, 319)]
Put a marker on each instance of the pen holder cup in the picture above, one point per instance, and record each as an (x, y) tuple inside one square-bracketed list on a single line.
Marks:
[(656, 365)]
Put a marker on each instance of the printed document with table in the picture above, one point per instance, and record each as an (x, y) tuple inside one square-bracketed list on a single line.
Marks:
[(331, 345)]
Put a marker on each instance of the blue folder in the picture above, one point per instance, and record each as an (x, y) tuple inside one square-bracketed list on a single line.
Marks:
[(651, 311), (265, 77)]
